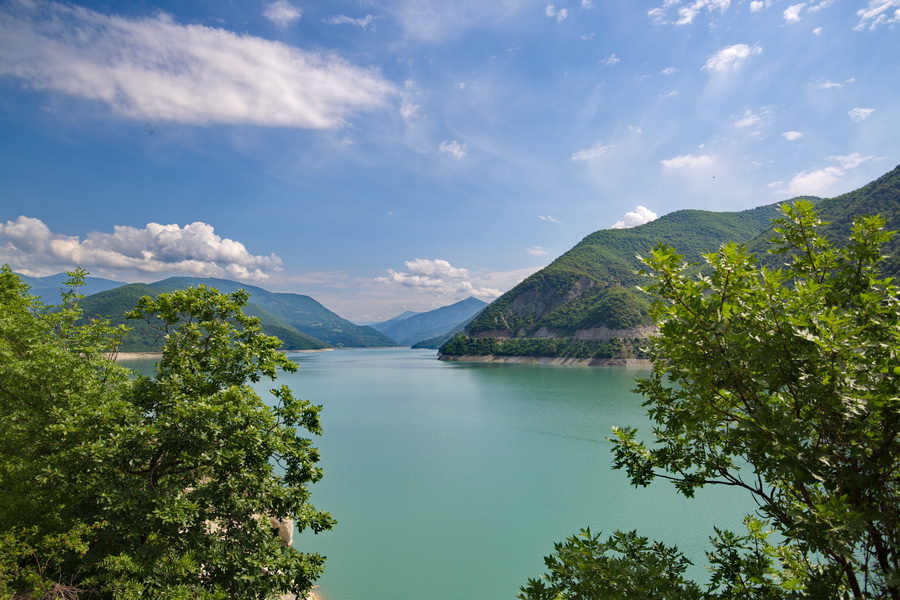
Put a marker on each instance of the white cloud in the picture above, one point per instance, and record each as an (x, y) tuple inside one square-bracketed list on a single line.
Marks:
[(820, 182), (362, 22), (282, 13), (437, 277), (669, 71), (689, 161), (686, 13), (792, 13), (537, 251), (757, 5), (156, 69), (878, 12), (549, 218), (589, 153), (612, 60), (560, 15), (817, 31), (851, 161), (860, 114), (730, 58), (587, 4), (827, 84), (195, 249), (792, 135), (639, 216), (453, 148)]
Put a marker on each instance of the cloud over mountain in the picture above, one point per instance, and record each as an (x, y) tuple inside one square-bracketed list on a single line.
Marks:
[(29, 246), (438, 277)]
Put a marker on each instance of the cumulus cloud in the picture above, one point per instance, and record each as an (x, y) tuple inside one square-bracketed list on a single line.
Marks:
[(792, 135), (549, 218), (758, 5), (159, 70), (792, 13), (437, 277), (639, 216), (686, 13), (30, 246), (362, 22), (730, 58), (878, 12), (589, 153), (282, 13), (453, 148), (688, 161), (860, 114), (820, 182)]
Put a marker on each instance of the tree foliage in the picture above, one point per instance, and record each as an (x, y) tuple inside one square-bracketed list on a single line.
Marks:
[(784, 383), (114, 485)]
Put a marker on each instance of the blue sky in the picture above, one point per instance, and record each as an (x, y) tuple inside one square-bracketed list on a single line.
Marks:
[(385, 155)]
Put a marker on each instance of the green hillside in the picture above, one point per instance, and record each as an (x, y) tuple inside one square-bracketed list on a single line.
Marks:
[(300, 312), (144, 338), (588, 297)]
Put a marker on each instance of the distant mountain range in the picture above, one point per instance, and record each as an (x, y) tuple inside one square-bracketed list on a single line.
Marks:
[(411, 327), (585, 304), (299, 321)]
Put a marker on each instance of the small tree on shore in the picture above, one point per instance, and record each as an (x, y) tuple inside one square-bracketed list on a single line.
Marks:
[(784, 383)]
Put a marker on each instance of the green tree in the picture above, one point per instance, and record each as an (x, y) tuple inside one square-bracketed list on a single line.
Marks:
[(783, 383), (125, 486)]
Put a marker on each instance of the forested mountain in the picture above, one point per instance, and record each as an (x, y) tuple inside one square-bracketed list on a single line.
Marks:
[(586, 304), (410, 327), (300, 322), (299, 311), (145, 338)]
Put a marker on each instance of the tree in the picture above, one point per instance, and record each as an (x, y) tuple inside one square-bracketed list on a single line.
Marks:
[(784, 383), (125, 486)]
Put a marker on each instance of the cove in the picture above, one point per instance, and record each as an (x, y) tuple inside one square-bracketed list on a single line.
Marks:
[(454, 480)]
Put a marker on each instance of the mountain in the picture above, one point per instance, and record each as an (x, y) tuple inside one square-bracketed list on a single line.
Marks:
[(145, 338), (409, 328), (586, 305), (49, 288), (301, 312)]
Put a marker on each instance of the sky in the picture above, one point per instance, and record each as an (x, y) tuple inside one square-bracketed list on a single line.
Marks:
[(392, 155)]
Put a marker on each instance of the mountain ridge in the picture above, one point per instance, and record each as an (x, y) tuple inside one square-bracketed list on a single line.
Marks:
[(585, 305)]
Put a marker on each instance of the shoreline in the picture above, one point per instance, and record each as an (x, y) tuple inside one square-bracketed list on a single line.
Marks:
[(126, 356), (631, 363)]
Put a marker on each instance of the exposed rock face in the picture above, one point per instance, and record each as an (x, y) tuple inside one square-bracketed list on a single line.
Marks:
[(285, 530)]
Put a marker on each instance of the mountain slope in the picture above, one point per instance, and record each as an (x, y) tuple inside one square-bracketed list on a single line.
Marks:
[(407, 329), (301, 312), (585, 304), (145, 338)]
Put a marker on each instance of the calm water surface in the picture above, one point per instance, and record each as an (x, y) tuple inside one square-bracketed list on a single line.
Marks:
[(453, 480)]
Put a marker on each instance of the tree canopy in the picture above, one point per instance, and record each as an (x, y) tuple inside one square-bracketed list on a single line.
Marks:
[(782, 382), (115, 485)]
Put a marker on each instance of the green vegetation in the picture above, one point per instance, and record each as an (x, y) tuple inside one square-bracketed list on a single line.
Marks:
[(595, 284), (783, 383), (462, 345), (114, 485), (298, 321)]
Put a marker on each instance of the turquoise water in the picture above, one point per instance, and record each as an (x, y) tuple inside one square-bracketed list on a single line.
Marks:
[(453, 480)]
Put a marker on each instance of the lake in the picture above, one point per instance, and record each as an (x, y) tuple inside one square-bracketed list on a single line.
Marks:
[(453, 480)]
